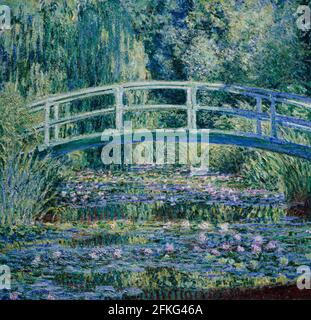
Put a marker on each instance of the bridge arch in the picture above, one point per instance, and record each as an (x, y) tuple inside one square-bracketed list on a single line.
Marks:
[(270, 142)]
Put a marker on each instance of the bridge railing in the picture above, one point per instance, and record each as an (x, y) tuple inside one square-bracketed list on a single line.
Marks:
[(192, 107)]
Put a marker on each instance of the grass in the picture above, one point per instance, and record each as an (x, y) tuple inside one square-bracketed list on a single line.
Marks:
[(288, 174), (27, 184), (28, 188)]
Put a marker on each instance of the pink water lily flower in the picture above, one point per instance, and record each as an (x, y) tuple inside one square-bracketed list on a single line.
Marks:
[(256, 248), (169, 248), (237, 237), (258, 240), (117, 253), (240, 249), (272, 245), (202, 237), (226, 247), (215, 252)]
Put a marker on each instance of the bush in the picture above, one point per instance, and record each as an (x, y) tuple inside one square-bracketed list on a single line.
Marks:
[(227, 159), (27, 184), (288, 174), (14, 119), (28, 187)]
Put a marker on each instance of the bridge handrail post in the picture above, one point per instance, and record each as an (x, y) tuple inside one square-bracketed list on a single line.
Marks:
[(259, 110), (191, 104), (119, 92), (56, 118), (47, 110), (273, 118)]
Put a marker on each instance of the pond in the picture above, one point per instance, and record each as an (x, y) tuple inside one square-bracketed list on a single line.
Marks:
[(156, 234)]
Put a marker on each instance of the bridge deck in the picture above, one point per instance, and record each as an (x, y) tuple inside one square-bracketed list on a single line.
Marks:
[(215, 137)]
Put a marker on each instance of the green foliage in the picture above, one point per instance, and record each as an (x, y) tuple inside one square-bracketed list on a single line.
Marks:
[(28, 187), (56, 47), (15, 236), (12, 124), (226, 159), (27, 184), (290, 175), (251, 42)]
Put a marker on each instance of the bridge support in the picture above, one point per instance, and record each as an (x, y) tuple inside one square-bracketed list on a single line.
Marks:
[(119, 108), (259, 111), (56, 118), (273, 124), (47, 110)]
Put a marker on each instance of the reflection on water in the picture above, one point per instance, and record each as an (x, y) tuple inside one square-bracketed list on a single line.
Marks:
[(125, 258), (186, 210), (163, 195)]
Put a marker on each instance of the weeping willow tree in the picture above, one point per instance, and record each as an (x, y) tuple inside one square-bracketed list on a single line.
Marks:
[(58, 46)]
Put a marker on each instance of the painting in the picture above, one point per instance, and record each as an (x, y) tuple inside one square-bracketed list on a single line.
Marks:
[(155, 150)]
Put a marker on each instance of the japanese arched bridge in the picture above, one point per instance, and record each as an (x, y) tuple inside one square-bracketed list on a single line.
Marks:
[(262, 107)]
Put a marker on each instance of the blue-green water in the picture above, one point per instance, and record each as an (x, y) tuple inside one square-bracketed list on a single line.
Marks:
[(150, 235)]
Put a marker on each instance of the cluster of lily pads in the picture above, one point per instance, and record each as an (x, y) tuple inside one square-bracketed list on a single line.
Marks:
[(160, 234), (120, 258), (98, 188)]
